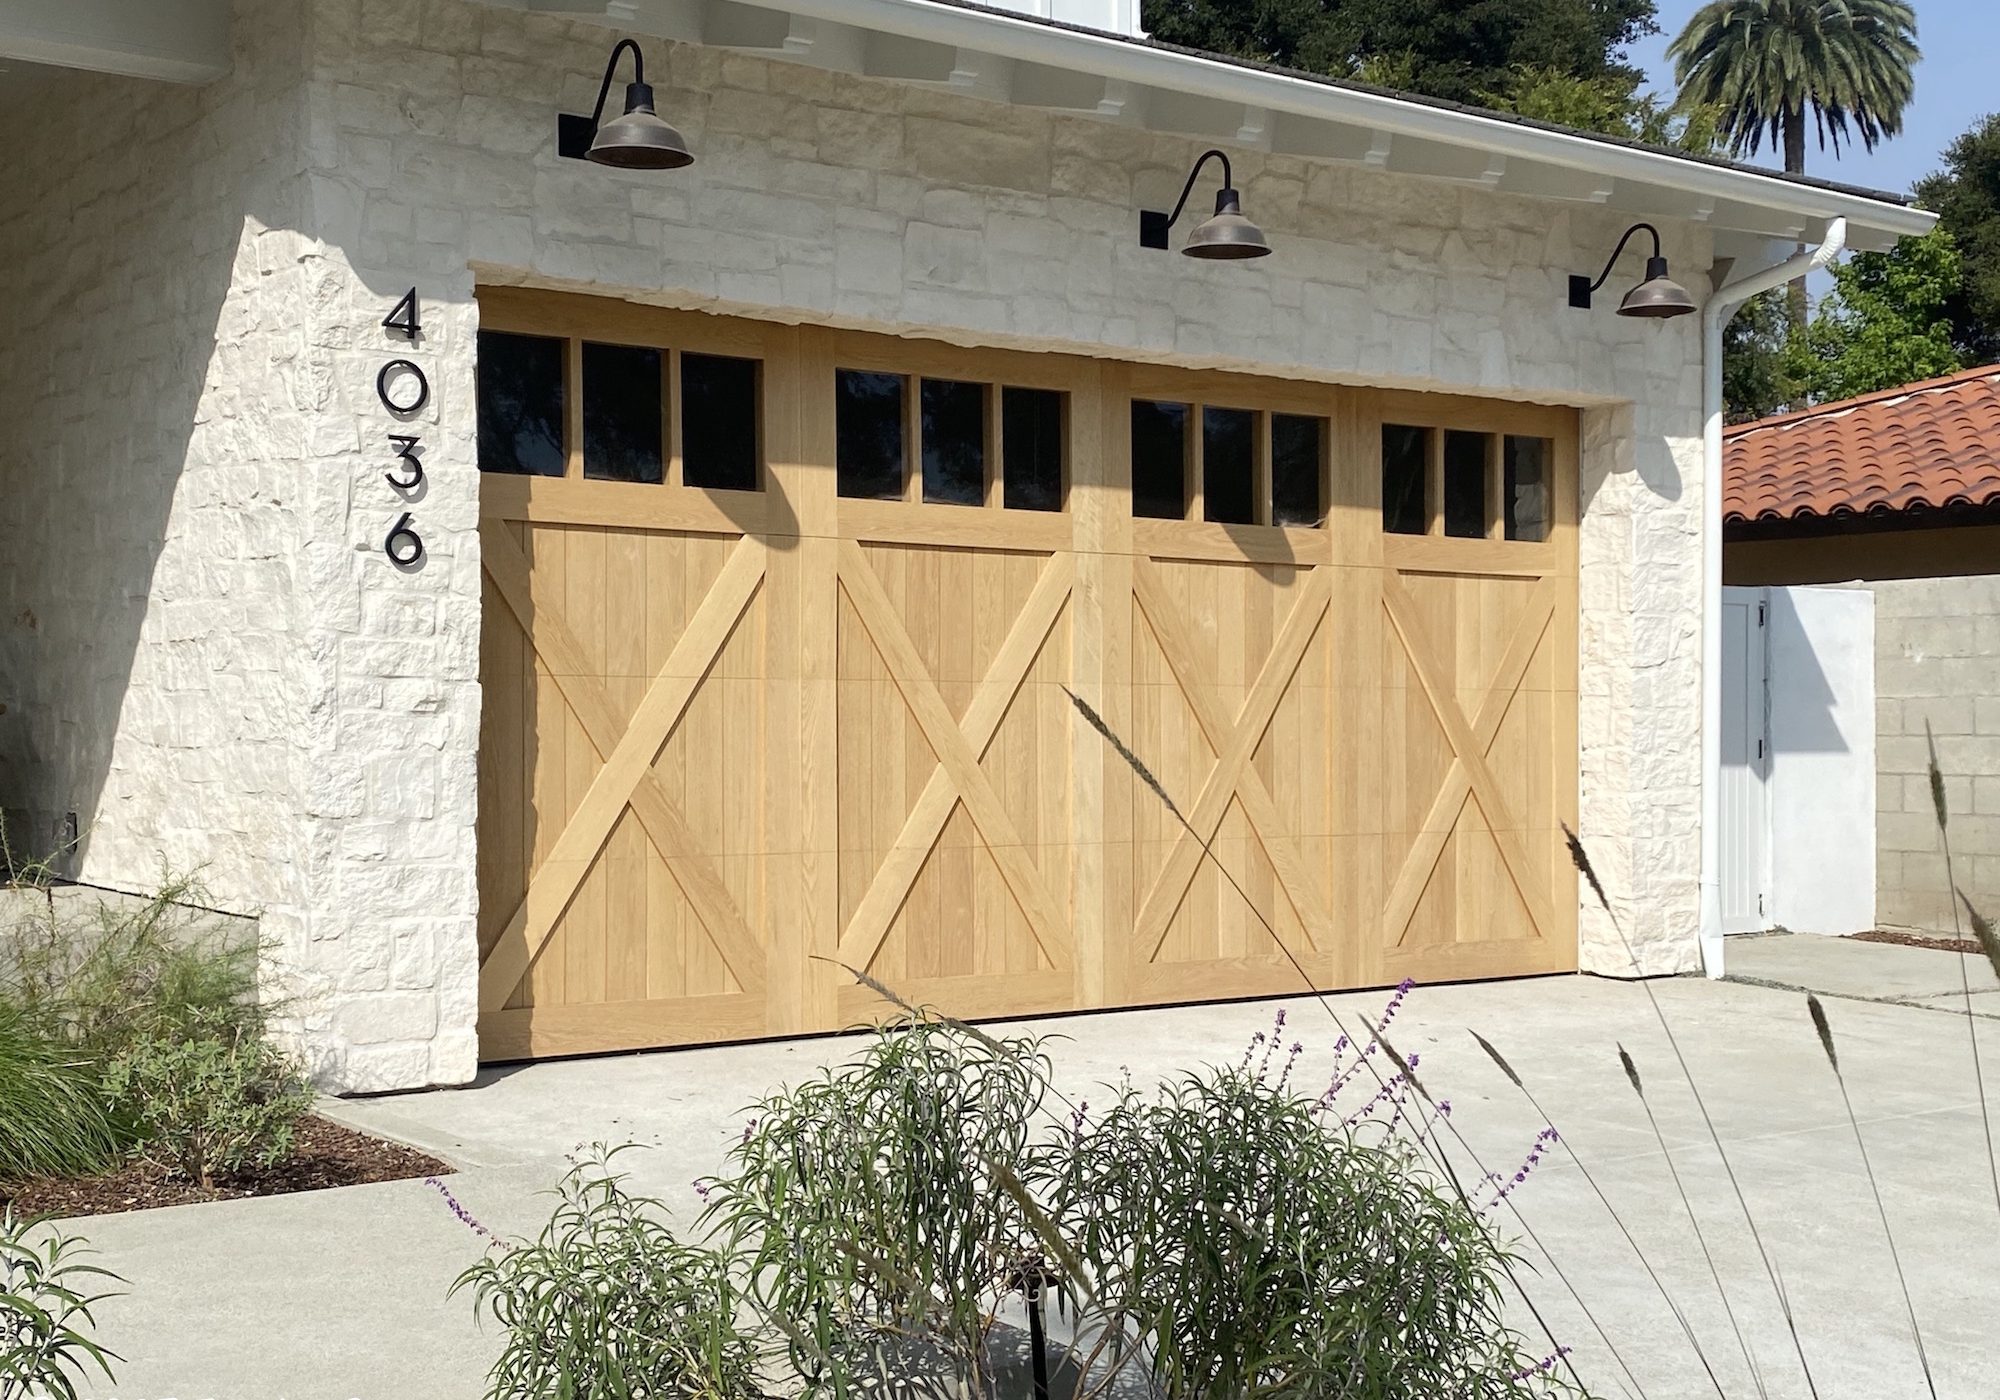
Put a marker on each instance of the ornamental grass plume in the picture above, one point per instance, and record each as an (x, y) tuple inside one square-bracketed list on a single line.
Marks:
[(1825, 1032), (1988, 944), (1581, 859)]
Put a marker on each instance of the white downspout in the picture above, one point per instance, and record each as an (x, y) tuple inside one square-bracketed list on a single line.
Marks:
[(1722, 305)]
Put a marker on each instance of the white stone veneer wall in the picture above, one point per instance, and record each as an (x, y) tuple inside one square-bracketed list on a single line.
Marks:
[(157, 410), (428, 159)]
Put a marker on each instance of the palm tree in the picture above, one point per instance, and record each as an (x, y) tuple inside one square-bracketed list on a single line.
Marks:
[(1761, 65)]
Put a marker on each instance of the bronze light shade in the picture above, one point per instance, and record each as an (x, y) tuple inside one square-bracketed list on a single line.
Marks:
[(1227, 236), (638, 140), (1659, 297)]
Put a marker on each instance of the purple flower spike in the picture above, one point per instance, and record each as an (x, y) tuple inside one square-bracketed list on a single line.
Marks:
[(1542, 1367), (465, 1217)]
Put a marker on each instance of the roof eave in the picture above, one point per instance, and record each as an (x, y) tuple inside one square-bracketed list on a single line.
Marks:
[(1873, 219)]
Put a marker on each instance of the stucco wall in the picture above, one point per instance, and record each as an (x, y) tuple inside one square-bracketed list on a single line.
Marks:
[(1937, 661), (1820, 674), (428, 159)]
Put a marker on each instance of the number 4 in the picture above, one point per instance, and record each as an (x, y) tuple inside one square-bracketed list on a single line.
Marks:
[(404, 318)]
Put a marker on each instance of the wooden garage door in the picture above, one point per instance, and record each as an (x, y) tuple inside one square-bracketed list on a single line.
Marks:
[(782, 629)]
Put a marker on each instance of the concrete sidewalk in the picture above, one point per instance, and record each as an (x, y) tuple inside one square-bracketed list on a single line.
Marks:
[(1864, 971), (341, 1295)]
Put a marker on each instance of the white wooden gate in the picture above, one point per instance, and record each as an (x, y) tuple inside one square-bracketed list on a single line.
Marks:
[(1746, 763)]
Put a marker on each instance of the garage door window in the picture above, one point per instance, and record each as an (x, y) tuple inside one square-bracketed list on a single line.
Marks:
[(976, 443), (1525, 488), (623, 413), (1031, 435), (954, 436), (1253, 467), (520, 388), (720, 447)]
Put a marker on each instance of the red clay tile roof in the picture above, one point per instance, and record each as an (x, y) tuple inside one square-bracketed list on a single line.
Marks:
[(1922, 446)]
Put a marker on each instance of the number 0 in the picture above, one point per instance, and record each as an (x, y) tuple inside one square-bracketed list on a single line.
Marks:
[(411, 368)]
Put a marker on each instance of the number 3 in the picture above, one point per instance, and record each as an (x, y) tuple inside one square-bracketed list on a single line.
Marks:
[(405, 453)]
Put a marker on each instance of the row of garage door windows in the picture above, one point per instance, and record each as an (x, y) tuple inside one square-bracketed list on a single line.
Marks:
[(979, 444)]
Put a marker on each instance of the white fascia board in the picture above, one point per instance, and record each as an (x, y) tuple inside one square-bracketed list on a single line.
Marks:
[(178, 41), (1119, 60)]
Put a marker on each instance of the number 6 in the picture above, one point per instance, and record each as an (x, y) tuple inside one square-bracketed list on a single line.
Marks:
[(411, 546)]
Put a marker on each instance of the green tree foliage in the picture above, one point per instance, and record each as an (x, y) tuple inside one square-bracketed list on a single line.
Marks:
[(1884, 322), (1459, 50), (1610, 103), (1757, 379), (1768, 64), (1765, 66), (1966, 197)]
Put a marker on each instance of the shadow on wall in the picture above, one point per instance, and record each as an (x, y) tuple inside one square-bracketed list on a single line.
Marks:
[(142, 524), (1804, 714)]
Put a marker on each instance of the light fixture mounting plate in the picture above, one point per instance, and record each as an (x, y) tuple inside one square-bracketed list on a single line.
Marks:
[(1579, 292), (574, 134), (1154, 228)]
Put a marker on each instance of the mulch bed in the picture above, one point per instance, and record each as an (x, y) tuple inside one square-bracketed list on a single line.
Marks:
[(1918, 940), (324, 1154)]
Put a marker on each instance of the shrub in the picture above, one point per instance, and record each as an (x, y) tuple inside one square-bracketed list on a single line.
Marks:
[(105, 977), (54, 1120), (45, 1347), (209, 1097), (1244, 1241), (605, 1304), (1224, 1238), (867, 1204)]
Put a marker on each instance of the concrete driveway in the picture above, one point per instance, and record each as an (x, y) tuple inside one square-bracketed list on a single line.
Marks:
[(342, 1294)]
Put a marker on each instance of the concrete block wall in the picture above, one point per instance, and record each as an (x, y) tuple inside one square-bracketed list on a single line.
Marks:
[(1937, 662), (425, 157)]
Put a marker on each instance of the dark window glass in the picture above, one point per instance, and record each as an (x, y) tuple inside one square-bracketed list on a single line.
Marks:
[(1406, 456), (1229, 465), (868, 428), (520, 404), (621, 413), (719, 420), (1296, 453), (1526, 489), (1465, 484), (1031, 449), (954, 437), (1159, 459)]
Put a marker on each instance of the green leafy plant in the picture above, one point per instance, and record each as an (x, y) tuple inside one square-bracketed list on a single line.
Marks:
[(606, 1304), (103, 976), (209, 1097), (54, 1120), (45, 1320), (1249, 1241), (868, 1206)]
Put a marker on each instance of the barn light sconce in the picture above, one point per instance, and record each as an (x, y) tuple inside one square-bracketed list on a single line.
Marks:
[(639, 140), (1659, 296), (1225, 235)]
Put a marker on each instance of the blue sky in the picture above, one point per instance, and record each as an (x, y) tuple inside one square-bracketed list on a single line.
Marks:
[(1960, 40)]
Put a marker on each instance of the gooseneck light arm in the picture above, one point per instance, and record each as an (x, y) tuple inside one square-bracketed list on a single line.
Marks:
[(1619, 251), (604, 88), (1228, 181)]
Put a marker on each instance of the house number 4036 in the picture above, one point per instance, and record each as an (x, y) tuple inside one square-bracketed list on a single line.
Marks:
[(404, 391)]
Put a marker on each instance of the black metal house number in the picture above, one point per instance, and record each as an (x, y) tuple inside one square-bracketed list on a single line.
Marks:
[(403, 389)]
